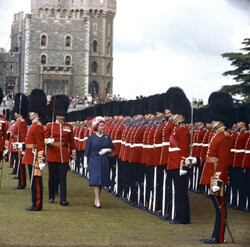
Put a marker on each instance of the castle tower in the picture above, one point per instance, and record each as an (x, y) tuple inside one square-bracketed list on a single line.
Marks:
[(66, 46)]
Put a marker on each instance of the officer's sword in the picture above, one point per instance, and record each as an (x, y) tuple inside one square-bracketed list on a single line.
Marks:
[(222, 215), (33, 167)]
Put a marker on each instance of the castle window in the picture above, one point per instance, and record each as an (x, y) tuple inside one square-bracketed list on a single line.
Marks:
[(43, 59), (108, 88), (94, 67), (108, 48), (81, 12), (94, 46), (68, 41), (108, 69), (95, 28), (40, 11), (52, 12), (67, 60), (43, 40), (94, 88), (64, 13), (11, 67)]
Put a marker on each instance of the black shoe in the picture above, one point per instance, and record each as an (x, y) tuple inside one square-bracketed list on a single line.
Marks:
[(18, 188), (32, 209), (12, 173), (210, 240), (175, 222), (51, 200), (166, 217), (64, 203), (97, 206), (14, 178)]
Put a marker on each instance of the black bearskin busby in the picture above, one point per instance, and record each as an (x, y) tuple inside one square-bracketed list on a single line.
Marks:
[(38, 102), (221, 107), (167, 95), (1, 95), (24, 107), (179, 104), (242, 113), (201, 115), (61, 104)]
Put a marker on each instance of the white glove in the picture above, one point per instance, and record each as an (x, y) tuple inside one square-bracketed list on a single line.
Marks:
[(5, 152), (50, 141), (17, 145), (182, 172), (191, 160), (41, 166), (104, 151), (215, 188), (85, 162)]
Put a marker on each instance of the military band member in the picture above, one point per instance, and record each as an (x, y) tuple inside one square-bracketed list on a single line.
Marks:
[(35, 147), (215, 172), (60, 140)]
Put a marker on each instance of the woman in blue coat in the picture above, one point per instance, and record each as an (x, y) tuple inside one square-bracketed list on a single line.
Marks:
[(96, 158)]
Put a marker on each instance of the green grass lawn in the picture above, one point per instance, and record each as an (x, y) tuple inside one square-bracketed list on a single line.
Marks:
[(116, 224)]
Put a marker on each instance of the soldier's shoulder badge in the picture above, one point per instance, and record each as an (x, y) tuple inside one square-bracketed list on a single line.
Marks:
[(182, 125)]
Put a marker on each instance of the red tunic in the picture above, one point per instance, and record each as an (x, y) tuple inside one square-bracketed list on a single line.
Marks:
[(63, 144), (117, 139), (166, 133), (179, 148), (35, 136), (246, 159), (3, 132), (238, 149), (145, 144), (157, 144), (218, 158), (205, 143)]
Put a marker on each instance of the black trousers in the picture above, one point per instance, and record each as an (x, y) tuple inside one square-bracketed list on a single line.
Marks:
[(61, 169), (21, 172), (219, 226), (36, 190), (180, 191), (247, 185)]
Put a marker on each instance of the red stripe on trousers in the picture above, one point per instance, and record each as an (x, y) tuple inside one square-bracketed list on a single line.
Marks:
[(38, 193), (182, 200), (222, 222), (21, 173)]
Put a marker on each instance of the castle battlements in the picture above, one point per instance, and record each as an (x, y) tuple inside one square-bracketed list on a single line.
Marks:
[(71, 8)]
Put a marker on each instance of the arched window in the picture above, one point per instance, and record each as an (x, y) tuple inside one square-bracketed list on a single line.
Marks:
[(94, 67), (43, 40), (94, 46), (108, 88), (64, 13), (67, 60), (52, 12), (94, 88), (43, 59), (108, 69), (40, 11), (108, 48), (68, 41)]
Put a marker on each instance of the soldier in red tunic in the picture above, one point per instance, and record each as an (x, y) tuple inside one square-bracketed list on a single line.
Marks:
[(19, 135), (179, 149), (34, 147), (215, 171), (60, 140)]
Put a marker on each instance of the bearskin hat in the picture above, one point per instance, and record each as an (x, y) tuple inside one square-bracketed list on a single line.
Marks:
[(221, 107), (61, 104), (6, 113), (242, 113), (179, 104), (160, 103), (152, 101), (167, 95), (1, 95), (38, 102), (201, 115), (21, 104), (98, 110)]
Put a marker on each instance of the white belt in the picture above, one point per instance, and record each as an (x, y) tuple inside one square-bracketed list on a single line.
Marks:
[(247, 151), (127, 144), (165, 143), (144, 146), (123, 143), (199, 144), (239, 150), (117, 141), (205, 145), (76, 138), (158, 145), (137, 145), (151, 146), (81, 140), (173, 149), (232, 150), (195, 144)]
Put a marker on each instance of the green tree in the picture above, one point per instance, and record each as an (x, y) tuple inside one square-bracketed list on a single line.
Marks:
[(241, 74)]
